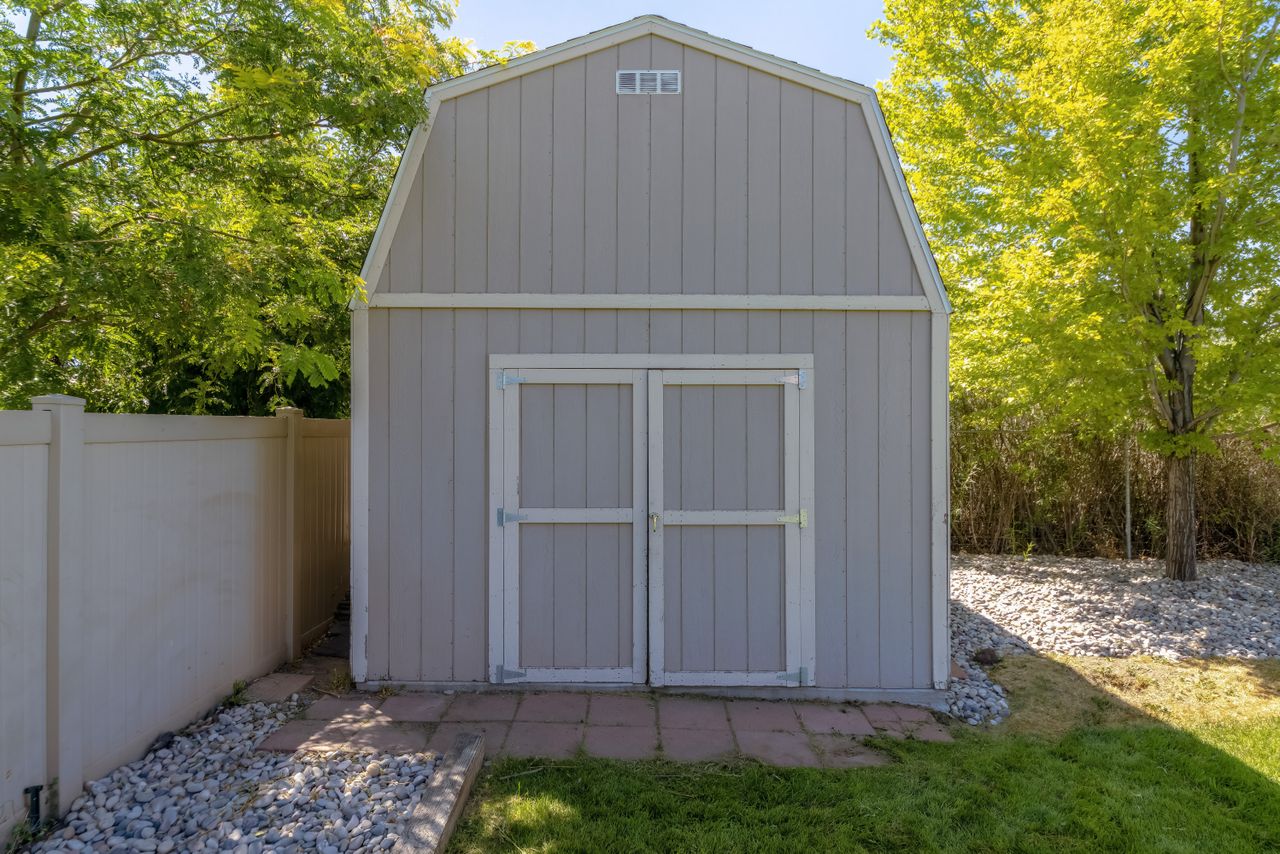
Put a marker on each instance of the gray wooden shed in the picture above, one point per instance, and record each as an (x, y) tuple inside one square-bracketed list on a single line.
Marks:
[(651, 384)]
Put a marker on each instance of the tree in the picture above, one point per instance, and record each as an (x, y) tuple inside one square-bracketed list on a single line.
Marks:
[(1101, 184), (189, 187)]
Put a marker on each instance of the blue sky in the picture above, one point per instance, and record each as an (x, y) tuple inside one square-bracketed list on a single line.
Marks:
[(830, 36)]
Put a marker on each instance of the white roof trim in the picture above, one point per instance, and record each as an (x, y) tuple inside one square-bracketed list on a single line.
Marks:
[(857, 93)]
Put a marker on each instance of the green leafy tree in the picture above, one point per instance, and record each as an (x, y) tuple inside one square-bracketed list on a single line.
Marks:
[(1101, 183), (187, 188)]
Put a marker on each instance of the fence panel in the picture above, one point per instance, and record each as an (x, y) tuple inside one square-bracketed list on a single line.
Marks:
[(24, 468), (158, 554), (322, 525), (185, 570)]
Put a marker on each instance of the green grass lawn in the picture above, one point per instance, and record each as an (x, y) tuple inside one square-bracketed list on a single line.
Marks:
[(1098, 756)]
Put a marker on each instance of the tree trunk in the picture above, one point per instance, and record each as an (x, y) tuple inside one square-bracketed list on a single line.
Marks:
[(1180, 519)]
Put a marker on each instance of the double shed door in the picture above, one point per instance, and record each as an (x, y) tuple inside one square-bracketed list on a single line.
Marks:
[(651, 525)]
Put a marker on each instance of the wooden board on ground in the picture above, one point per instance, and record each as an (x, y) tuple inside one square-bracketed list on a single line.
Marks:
[(432, 822)]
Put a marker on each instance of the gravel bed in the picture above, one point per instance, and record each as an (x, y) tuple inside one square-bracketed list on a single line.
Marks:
[(209, 790), (1109, 608)]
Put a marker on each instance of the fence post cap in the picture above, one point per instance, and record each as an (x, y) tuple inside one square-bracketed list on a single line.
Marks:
[(56, 400), (287, 411)]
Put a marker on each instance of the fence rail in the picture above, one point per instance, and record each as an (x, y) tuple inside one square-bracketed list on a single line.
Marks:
[(147, 562)]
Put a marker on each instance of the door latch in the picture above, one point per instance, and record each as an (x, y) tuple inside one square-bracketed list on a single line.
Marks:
[(654, 518)]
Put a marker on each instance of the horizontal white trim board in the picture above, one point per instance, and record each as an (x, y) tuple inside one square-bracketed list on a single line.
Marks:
[(518, 361), (326, 428), (18, 427), (101, 429), (930, 697), (655, 302)]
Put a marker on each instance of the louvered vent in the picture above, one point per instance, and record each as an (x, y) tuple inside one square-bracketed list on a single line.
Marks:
[(637, 82)]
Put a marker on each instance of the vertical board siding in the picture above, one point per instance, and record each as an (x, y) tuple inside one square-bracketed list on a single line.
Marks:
[(862, 505), (828, 194), (537, 136), (404, 447), (764, 184), (568, 178), (600, 186), (894, 502), (633, 176), (731, 143), (698, 215), (470, 247), (666, 178), (431, 204), (871, 509), (796, 214), (502, 234), (436, 473), (743, 183), (23, 517)]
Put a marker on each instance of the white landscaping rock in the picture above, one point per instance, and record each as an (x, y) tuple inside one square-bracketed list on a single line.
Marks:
[(1109, 608), (210, 790)]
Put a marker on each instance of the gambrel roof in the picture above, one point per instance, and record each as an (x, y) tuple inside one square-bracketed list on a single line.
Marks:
[(856, 93)]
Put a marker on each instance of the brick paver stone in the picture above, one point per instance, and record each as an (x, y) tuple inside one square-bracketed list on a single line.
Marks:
[(277, 687), (914, 714), (414, 707), (482, 707), (553, 708), (690, 713), (880, 714), (291, 735), (822, 717), (333, 738), (342, 709), (622, 742), (696, 745), (495, 735), (389, 738), (785, 749), (613, 710), (754, 716), (841, 751), (552, 740)]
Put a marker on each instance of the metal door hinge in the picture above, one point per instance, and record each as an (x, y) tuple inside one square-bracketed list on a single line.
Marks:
[(800, 379), (801, 519), (797, 676), (504, 379), (503, 674), (503, 517)]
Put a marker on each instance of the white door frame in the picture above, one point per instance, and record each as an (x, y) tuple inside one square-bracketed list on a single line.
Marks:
[(506, 514), (795, 517), (505, 372)]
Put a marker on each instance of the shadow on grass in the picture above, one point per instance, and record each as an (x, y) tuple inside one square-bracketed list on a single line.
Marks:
[(1082, 769)]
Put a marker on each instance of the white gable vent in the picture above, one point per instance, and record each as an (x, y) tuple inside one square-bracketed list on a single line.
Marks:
[(637, 82)]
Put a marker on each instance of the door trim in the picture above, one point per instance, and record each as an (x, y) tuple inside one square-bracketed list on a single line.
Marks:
[(504, 381), (679, 361), (798, 491)]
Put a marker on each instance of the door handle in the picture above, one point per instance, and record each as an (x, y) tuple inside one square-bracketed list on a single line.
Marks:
[(653, 522)]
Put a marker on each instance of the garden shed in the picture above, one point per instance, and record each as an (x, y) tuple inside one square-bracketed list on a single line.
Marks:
[(650, 387)]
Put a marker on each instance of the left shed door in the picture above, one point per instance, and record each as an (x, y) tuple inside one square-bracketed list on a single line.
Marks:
[(567, 545)]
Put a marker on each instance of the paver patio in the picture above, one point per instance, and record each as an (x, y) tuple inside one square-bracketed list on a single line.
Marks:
[(557, 725)]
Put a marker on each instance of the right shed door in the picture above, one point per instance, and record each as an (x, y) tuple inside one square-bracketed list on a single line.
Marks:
[(730, 553)]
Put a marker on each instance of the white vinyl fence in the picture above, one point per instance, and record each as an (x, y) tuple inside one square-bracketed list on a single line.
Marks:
[(147, 562)]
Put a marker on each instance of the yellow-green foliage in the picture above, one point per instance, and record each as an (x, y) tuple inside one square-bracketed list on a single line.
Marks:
[(1100, 180)]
